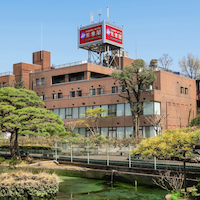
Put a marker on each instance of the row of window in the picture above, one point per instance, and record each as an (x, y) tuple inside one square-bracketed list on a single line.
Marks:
[(112, 109), (183, 90), (178, 105), (119, 132), (42, 81)]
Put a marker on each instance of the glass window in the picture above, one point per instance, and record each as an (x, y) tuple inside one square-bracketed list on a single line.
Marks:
[(75, 113), (120, 132), (81, 111), (0, 85), (4, 84), (72, 94), (87, 107), (112, 132), (54, 96), (148, 131), (182, 90), (112, 109), (42, 97), (104, 107), (99, 91), (37, 82), (104, 131), (56, 111), (60, 95), (148, 108), (43, 81), (157, 108), (92, 92), (120, 109), (129, 132), (68, 113), (186, 90), (127, 109), (82, 131), (115, 89), (122, 88), (79, 93), (62, 113), (75, 130)]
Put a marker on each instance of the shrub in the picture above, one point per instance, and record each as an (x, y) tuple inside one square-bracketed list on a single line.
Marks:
[(2, 159), (14, 161), (22, 185)]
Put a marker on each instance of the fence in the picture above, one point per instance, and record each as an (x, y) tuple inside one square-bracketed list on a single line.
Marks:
[(117, 154)]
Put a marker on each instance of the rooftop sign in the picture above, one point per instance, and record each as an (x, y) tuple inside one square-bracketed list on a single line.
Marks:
[(100, 33)]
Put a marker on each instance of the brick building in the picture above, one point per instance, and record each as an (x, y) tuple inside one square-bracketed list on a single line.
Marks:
[(68, 90)]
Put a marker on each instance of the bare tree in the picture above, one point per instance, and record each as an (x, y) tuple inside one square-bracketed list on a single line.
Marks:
[(166, 61), (71, 126), (156, 121), (169, 181), (190, 66)]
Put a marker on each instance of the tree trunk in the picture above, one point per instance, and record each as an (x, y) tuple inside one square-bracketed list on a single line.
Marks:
[(138, 125), (14, 148)]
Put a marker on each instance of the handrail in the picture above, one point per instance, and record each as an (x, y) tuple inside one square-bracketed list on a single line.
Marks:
[(6, 73)]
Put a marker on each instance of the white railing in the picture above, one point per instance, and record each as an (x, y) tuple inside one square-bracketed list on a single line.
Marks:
[(6, 73)]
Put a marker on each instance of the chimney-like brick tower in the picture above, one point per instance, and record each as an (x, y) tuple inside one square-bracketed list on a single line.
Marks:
[(42, 58)]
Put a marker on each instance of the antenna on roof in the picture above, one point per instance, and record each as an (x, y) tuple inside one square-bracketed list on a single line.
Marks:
[(91, 17), (41, 43), (108, 13), (99, 15)]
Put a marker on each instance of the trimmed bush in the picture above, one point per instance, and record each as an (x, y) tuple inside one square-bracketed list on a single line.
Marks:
[(27, 185), (27, 147)]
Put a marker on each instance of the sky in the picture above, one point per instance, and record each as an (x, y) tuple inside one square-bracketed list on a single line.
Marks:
[(157, 27)]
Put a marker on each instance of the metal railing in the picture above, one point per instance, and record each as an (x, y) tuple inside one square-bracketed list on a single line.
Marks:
[(83, 95), (117, 154), (6, 73)]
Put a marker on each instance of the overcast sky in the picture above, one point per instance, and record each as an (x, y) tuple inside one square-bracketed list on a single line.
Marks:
[(158, 27)]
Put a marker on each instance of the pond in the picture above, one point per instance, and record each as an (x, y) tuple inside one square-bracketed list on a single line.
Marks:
[(90, 189)]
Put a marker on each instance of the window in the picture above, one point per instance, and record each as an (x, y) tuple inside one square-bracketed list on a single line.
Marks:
[(127, 110), (120, 110), (157, 108), (81, 112), (104, 131), (178, 104), (60, 95), (186, 90), (58, 79), (37, 82), (148, 108), (92, 92), (168, 103), (186, 106), (75, 113), (0, 85), (68, 113), (72, 94), (182, 105), (173, 104), (62, 113), (112, 132), (79, 93), (99, 91), (42, 97), (129, 132), (122, 88), (105, 107), (54, 96), (120, 132), (43, 81), (182, 90), (115, 89), (112, 109)]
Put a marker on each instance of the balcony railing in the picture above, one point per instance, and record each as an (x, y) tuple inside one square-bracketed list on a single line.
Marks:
[(6, 73)]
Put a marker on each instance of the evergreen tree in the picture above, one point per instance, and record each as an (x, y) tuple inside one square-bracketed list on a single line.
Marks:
[(135, 79), (20, 113)]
